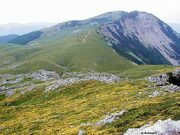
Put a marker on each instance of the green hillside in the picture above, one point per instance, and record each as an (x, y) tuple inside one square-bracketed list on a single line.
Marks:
[(86, 51)]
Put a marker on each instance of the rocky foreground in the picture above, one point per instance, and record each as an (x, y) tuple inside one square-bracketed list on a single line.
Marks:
[(120, 98)]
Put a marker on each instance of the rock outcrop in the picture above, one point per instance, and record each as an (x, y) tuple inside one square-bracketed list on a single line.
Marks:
[(43, 75), (161, 80), (81, 132), (50, 79), (169, 82), (107, 120), (111, 118), (167, 127), (70, 78), (9, 83)]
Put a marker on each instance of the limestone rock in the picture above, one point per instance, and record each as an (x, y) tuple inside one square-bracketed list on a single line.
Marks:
[(81, 132), (111, 118), (167, 127), (43, 75)]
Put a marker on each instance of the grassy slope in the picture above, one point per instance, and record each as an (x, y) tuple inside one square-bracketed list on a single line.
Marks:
[(85, 51), (63, 111)]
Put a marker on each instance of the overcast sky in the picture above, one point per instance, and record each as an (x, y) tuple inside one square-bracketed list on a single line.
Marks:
[(25, 11)]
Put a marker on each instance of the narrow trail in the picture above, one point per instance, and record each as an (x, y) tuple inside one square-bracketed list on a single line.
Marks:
[(86, 36), (50, 62)]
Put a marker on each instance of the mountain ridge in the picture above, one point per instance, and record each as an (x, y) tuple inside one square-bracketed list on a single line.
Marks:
[(140, 35)]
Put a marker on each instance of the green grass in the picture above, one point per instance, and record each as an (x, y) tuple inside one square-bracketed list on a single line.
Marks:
[(2, 97), (71, 52), (142, 71)]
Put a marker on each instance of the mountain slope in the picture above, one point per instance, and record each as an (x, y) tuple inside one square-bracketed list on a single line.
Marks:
[(138, 36), (144, 39), (85, 51), (61, 30), (7, 38), (24, 39)]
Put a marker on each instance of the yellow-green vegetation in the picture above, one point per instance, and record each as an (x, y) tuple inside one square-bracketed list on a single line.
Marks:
[(63, 111)]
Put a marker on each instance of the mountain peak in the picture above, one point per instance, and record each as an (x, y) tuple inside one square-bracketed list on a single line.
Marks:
[(144, 39), (137, 15), (111, 15)]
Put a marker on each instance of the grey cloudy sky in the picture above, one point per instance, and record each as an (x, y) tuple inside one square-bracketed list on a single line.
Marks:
[(25, 11)]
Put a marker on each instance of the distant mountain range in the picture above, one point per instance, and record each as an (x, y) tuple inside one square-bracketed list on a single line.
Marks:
[(135, 37), (7, 38), (19, 29)]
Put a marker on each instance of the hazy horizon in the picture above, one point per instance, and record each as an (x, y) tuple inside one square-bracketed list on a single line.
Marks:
[(56, 11)]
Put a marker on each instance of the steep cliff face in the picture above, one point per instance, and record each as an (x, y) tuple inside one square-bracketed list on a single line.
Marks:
[(144, 39)]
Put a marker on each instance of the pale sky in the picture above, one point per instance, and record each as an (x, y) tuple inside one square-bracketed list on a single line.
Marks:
[(56, 11)]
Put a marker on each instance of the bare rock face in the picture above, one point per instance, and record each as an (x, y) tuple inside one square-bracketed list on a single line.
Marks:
[(167, 127), (144, 39)]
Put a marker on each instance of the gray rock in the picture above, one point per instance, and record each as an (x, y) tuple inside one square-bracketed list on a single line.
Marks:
[(43, 75), (171, 88), (155, 94), (167, 127), (108, 119), (71, 78), (167, 82), (29, 88), (176, 73), (111, 118), (81, 132), (50, 79), (159, 80)]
